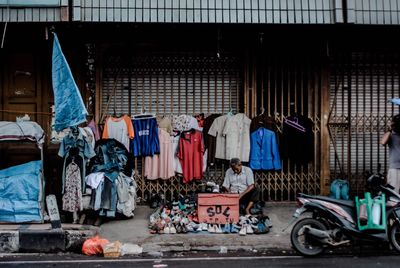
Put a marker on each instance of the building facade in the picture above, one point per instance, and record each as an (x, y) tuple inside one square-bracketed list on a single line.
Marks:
[(336, 62)]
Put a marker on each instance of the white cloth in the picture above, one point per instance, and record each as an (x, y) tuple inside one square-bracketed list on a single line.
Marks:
[(26, 130), (216, 130), (94, 179), (88, 133), (126, 192), (237, 133), (175, 145)]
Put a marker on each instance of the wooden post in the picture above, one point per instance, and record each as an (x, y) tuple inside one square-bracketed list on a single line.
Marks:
[(325, 171)]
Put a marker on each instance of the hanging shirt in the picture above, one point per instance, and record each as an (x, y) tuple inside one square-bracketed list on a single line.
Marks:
[(161, 166), (175, 147), (237, 133), (210, 141), (264, 153), (75, 146), (190, 153), (145, 142), (93, 126), (120, 129), (72, 198), (165, 123), (298, 146), (216, 130), (184, 122)]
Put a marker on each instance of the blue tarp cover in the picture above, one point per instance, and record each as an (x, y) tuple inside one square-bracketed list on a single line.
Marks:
[(21, 193), (69, 107)]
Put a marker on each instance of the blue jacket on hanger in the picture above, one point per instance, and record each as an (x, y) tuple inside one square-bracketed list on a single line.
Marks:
[(264, 152)]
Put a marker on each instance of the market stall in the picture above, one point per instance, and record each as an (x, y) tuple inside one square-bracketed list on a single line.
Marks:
[(22, 186)]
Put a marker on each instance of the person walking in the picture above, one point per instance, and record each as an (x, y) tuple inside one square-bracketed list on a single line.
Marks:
[(392, 139)]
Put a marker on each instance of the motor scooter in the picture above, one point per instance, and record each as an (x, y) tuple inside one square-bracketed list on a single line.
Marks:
[(334, 222)]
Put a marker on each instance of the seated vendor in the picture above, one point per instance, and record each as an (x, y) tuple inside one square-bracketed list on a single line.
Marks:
[(240, 179)]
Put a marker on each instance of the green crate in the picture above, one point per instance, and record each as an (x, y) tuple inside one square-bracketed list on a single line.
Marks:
[(368, 201)]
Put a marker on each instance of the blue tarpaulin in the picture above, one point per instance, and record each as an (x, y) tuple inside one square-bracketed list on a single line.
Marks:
[(69, 107), (21, 193), (395, 101)]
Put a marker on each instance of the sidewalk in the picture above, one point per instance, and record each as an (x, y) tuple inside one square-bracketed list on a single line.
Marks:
[(135, 231), (41, 238)]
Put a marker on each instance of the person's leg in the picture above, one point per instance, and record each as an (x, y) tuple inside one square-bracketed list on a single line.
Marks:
[(250, 198), (393, 178)]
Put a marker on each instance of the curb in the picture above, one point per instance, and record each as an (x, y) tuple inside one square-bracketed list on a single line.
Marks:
[(44, 241)]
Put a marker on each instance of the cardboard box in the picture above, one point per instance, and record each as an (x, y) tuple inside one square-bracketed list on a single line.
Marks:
[(218, 208)]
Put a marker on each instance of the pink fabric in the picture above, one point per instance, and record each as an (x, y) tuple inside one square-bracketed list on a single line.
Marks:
[(162, 165), (92, 125)]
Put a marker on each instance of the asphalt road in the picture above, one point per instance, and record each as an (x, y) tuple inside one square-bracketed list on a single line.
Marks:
[(209, 262)]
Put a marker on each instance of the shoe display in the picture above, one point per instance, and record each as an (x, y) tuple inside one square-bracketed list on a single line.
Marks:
[(218, 229), (166, 229), (243, 231), (172, 229), (211, 228), (227, 228), (235, 228), (249, 229)]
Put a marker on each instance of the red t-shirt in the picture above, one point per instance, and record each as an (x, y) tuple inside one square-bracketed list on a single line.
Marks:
[(190, 154)]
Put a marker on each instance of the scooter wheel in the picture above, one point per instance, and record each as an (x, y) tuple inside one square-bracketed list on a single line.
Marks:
[(303, 243), (395, 236)]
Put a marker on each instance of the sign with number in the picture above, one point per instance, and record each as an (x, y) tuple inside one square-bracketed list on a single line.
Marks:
[(52, 209)]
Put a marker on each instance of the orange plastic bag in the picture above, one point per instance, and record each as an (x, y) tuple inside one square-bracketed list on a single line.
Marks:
[(94, 245)]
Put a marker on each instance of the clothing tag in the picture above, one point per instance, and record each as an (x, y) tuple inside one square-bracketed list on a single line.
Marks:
[(260, 132)]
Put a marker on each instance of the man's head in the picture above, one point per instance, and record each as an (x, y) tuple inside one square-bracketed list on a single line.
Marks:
[(236, 165), (395, 124)]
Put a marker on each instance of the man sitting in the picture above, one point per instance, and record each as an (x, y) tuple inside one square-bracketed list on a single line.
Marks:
[(240, 179)]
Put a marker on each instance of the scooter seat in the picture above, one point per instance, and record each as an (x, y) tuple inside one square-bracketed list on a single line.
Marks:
[(347, 203)]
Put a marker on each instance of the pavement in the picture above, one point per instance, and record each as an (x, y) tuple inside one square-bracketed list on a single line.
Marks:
[(41, 238)]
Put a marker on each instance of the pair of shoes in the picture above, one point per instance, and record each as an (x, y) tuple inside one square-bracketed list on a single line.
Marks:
[(243, 230), (203, 226), (218, 229), (261, 228), (227, 228), (235, 228), (211, 228), (249, 229)]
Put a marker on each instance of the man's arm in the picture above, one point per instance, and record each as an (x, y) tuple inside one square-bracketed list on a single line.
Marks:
[(227, 184), (249, 188), (386, 137)]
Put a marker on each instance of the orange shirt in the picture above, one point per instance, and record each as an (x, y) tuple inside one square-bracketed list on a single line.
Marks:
[(120, 129)]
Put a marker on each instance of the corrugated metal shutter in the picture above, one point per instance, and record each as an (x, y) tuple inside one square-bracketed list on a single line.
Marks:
[(363, 86), (172, 84)]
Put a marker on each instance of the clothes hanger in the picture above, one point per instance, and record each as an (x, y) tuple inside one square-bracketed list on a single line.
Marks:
[(144, 115), (230, 113), (295, 124)]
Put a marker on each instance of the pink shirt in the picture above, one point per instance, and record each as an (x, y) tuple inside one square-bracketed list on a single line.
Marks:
[(161, 166)]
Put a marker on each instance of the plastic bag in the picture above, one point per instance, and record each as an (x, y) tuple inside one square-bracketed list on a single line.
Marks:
[(94, 245)]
